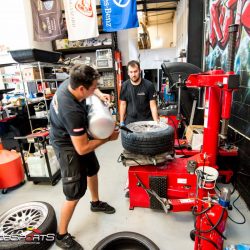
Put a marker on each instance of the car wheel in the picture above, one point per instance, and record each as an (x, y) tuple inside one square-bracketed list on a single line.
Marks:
[(28, 226)]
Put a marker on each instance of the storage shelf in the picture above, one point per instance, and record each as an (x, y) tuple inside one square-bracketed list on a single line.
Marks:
[(106, 88), (105, 69), (46, 80), (33, 117), (79, 50)]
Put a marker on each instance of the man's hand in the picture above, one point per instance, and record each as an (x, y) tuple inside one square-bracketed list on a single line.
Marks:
[(114, 135), (102, 96), (105, 97), (122, 124)]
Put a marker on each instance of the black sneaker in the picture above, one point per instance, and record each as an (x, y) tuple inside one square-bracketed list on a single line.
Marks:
[(102, 207), (68, 242)]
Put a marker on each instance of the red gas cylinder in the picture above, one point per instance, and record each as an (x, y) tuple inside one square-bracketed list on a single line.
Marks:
[(211, 236), (11, 169)]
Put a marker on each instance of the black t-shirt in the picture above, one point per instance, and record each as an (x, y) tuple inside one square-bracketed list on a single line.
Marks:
[(67, 116), (138, 99)]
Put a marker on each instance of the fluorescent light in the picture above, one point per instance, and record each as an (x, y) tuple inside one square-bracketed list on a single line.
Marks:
[(158, 42)]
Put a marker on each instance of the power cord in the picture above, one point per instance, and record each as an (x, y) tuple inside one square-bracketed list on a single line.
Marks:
[(244, 219), (207, 239)]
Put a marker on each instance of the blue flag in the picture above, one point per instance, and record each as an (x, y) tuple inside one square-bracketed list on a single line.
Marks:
[(119, 15)]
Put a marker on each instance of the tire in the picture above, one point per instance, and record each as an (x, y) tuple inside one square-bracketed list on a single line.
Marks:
[(124, 241), (148, 138), (36, 215)]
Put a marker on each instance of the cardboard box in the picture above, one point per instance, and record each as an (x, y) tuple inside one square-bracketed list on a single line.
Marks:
[(31, 73), (194, 136)]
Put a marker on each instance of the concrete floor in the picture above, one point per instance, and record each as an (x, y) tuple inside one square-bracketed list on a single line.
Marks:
[(168, 231)]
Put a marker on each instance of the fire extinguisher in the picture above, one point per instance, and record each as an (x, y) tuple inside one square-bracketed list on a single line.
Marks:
[(211, 221)]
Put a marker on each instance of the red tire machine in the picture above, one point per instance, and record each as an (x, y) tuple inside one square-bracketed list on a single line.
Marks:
[(177, 73), (187, 184)]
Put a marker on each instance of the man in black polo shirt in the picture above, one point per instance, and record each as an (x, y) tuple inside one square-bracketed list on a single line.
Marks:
[(137, 98), (75, 152)]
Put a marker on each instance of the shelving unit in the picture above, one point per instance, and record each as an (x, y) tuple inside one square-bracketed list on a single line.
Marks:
[(40, 169), (81, 49), (43, 81), (84, 49)]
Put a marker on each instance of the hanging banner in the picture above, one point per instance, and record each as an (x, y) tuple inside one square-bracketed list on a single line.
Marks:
[(119, 15), (47, 20), (81, 19)]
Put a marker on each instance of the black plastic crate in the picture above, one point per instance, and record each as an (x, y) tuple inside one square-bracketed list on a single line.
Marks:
[(34, 55)]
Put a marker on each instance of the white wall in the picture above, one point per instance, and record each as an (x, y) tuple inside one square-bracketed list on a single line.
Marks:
[(13, 28), (174, 30), (16, 26), (165, 32), (153, 58), (127, 44), (182, 25)]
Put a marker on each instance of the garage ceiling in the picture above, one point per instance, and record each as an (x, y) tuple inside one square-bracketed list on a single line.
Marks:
[(154, 11), (157, 11)]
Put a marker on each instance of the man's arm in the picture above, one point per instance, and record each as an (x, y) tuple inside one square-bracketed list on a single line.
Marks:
[(102, 96), (123, 106), (84, 146), (154, 111)]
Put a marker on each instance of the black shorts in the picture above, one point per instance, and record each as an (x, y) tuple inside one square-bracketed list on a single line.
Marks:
[(74, 171)]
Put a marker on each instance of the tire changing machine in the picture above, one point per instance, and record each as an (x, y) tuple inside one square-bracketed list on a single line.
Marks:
[(187, 184)]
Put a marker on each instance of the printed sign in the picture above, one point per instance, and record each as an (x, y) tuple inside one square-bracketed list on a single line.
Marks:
[(81, 19), (119, 15)]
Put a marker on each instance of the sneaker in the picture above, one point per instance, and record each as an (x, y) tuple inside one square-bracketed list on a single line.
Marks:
[(102, 207), (68, 242)]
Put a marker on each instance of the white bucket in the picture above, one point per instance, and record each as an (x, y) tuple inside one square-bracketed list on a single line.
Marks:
[(207, 177)]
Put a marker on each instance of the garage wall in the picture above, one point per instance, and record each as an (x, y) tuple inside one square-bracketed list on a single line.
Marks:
[(16, 26), (182, 25), (14, 33), (165, 32), (152, 59), (127, 44), (216, 56)]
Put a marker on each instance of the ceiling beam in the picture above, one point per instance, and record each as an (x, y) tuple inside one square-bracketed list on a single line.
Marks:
[(148, 1), (158, 9), (156, 1)]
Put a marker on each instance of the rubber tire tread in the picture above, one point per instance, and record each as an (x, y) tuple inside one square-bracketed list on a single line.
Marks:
[(149, 143), (48, 226), (106, 243)]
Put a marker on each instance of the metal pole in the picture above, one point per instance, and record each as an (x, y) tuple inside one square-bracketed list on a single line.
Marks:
[(25, 97)]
